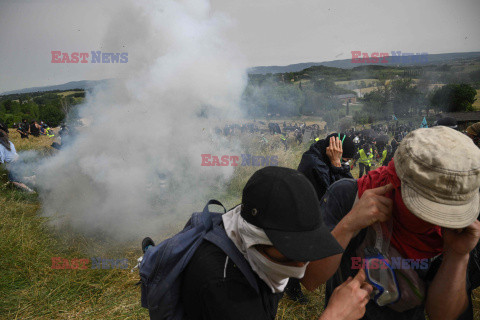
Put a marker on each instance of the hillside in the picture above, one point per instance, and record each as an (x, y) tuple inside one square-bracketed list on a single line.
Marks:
[(84, 84), (347, 63)]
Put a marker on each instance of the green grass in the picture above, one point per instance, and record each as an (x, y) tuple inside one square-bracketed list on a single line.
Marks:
[(31, 289), (357, 81)]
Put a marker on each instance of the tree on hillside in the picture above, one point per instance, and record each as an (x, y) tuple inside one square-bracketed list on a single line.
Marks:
[(375, 102), (8, 105), (405, 97), (331, 117), (52, 115), (454, 98), (317, 103), (273, 98)]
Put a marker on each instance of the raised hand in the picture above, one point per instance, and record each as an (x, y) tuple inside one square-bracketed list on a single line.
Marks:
[(334, 151), (349, 299), (372, 207)]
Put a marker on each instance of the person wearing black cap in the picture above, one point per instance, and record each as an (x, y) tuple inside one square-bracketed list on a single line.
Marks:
[(447, 122), (322, 165), (278, 229)]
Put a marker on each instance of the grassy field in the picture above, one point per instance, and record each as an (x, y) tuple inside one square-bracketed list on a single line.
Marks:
[(31, 289), (357, 82), (66, 93)]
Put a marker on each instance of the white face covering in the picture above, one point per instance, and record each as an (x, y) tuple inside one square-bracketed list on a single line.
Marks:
[(246, 236), (274, 274)]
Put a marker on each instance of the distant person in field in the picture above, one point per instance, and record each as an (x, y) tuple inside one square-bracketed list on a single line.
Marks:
[(389, 156), (23, 129), (364, 158), (34, 129)]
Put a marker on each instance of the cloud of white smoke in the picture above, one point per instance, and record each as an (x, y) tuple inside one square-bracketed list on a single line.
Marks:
[(136, 166)]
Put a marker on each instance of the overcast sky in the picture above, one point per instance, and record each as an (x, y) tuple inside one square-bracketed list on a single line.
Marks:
[(267, 32)]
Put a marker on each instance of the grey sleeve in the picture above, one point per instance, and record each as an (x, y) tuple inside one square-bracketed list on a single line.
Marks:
[(338, 201)]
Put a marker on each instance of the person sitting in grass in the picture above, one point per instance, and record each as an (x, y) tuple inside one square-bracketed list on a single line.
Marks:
[(7, 149), (8, 155), (23, 129)]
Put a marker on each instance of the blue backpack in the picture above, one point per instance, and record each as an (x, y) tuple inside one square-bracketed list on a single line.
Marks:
[(162, 265)]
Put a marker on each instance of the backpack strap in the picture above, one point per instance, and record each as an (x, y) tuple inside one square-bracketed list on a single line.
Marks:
[(206, 214)]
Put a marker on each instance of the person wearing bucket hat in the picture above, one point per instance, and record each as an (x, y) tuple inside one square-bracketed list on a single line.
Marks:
[(432, 186), (278, 230)]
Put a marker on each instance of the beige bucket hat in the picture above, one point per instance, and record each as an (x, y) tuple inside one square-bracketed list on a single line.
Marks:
[(440, 173)]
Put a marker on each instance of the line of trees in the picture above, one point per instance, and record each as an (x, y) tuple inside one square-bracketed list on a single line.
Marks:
[(287, 98), (403, 98), (48, 107)]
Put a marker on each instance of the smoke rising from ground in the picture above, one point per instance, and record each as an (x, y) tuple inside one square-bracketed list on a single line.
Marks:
[(136, 166)]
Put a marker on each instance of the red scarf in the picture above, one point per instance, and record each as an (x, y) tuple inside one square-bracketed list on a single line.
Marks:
[(411, 236)]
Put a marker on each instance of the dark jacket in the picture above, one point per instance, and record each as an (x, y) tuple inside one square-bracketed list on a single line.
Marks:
[(213, 287), (316, 166)]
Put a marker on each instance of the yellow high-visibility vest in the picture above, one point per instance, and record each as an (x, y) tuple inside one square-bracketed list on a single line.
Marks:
[(49, 133), (384, 155), (364, 159)]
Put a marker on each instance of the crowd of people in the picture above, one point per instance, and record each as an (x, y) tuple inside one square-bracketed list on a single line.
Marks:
[(33, 128), (8, 153), (375, 145), (317, 225)]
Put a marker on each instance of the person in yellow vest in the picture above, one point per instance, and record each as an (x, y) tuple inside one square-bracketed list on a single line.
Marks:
[(389, 156), (384, 155), (49, 132), (284, 140), (364, 158)]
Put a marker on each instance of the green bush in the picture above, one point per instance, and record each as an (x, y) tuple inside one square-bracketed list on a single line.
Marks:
[(51, 115)]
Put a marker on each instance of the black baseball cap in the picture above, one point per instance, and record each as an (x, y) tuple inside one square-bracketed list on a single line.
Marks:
[(283, 203), (447, 122)]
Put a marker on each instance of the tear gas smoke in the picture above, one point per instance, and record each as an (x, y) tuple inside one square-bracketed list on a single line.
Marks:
[(136, 166)]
